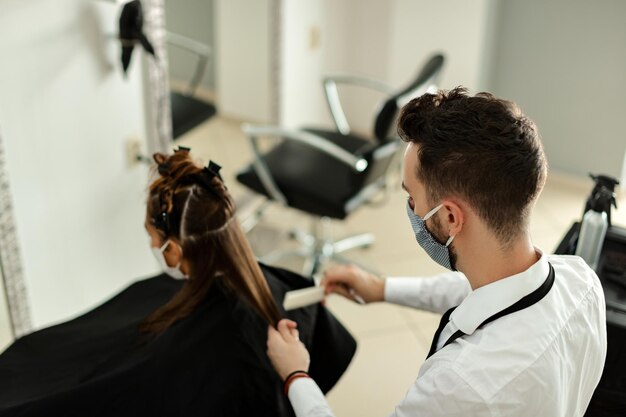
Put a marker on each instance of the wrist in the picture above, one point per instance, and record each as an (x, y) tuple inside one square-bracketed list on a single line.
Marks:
[(380, 289), (293, 370), (292, 377)]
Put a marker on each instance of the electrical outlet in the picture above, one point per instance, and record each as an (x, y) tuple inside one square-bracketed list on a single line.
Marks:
[(314, 38), (133, 152)]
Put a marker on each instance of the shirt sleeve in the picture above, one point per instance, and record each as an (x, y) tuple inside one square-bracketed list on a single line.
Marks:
[(437, 293), (442, 392), (308, 400), (439, 392)]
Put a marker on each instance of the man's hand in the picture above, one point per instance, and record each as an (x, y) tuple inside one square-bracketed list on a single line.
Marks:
[(354, 283), (285, 350)]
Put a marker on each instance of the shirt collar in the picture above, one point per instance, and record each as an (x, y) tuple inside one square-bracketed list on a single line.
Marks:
[(490, 299)]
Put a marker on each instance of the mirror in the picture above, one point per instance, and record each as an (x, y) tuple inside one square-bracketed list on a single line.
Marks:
[(191, 57)]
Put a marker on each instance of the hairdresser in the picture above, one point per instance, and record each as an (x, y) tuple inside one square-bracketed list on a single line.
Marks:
[(523, 332)]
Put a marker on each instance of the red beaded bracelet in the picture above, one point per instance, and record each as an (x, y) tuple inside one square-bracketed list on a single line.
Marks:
[(292, 377)]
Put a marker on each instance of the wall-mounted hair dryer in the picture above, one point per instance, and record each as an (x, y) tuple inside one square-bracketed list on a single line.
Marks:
[(131, 32)]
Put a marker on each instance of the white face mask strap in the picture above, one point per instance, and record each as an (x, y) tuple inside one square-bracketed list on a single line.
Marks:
[(433, 211), (162, 248), (167, 242), (430, 214)]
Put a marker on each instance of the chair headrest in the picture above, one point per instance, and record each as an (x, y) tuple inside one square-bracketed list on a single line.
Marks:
[(387, 113), (429, 71)]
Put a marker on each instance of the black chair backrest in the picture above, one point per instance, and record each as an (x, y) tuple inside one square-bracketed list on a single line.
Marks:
[(379, 157), (389, 109)]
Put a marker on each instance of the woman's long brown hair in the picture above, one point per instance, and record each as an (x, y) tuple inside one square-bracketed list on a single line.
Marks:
[(201, 217)]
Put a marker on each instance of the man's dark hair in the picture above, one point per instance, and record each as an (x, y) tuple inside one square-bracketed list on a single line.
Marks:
[(481, 149)]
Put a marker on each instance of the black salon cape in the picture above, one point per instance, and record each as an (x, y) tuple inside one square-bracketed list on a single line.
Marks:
[(212, 363)]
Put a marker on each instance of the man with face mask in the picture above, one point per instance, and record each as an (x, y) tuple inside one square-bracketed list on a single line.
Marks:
[(522, 333)]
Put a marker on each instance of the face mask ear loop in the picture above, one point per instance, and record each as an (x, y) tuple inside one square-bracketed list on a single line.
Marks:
[(167, 242), (433, 211), (430, 214), (162, 248)]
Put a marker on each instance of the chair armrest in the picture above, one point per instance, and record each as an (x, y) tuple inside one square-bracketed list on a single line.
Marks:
[(202, 50), (187, 43), (356, 162), (332, 95), (253, 132)]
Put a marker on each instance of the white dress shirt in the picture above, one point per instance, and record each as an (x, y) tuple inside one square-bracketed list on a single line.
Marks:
[(542, 361)]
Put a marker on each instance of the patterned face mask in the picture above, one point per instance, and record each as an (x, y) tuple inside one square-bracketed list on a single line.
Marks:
[(437, 252)]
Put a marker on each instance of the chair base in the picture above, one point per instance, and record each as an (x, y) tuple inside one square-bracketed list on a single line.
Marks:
[(317, 247)]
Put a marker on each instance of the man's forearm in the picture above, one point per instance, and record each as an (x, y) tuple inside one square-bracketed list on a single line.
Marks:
[(437, 293)]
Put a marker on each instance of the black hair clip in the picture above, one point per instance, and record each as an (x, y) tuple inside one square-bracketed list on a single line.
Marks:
[(164, 169), (205, 177), (164, 222), (213, 170), (162, 219)]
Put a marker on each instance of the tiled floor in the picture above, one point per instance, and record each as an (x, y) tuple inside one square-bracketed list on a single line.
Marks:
[(393, 341)]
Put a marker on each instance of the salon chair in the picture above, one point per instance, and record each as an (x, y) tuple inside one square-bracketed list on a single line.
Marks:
[(329, 174), (187, 110)]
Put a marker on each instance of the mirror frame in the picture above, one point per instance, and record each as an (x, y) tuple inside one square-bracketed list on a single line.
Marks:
[(11, 269), (156, 80)]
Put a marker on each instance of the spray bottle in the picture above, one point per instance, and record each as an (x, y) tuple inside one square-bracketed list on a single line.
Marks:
[(601, 181), (594, 225)]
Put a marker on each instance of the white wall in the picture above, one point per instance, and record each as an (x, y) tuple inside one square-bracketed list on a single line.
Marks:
[(458, 28), (363, 29), (302, 99), (65, 113), (384, 40), (564, 62), (353, 39), (242, 55)]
